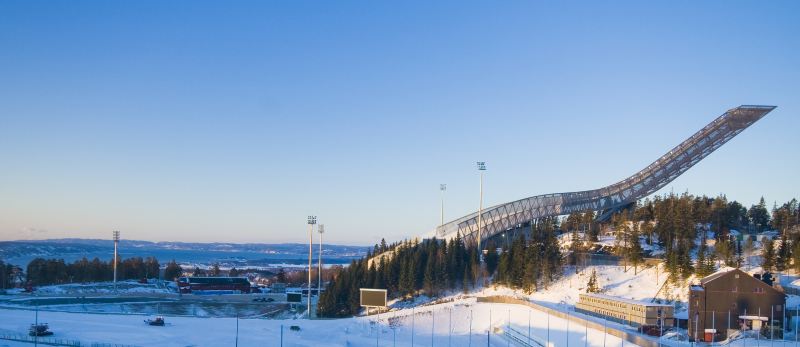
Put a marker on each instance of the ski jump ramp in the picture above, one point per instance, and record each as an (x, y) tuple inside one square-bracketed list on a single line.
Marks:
[(508, 216)]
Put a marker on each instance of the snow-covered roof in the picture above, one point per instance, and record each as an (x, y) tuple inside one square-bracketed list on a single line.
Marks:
[(621, 299), (721, 272)]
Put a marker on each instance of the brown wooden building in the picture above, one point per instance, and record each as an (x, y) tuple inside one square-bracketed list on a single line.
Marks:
[(731, 300)]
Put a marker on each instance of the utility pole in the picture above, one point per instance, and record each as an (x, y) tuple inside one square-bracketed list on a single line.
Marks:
[(116, 246), (311, 221), (320, 230)]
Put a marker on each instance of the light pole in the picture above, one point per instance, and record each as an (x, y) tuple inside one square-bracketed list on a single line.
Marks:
[(442, 188), (116, 244), (481, 169), (321, 231), (311, 221)]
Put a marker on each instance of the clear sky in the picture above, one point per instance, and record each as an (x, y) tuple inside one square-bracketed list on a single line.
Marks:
[(231, 122)]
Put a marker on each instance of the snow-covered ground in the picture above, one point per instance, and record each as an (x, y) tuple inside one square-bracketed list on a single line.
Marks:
[(446, 323), (123, 287), (641, 284), (438, 325)]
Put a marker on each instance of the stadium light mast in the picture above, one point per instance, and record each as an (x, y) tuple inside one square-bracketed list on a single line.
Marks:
[(320, 230), (481, 169), (442, 188), (311, 221), (116, 246)]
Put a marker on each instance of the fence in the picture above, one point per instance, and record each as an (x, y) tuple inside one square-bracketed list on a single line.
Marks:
[(639, 340), (51, 341)]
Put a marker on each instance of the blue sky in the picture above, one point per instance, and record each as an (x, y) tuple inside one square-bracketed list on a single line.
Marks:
[(204, 121)]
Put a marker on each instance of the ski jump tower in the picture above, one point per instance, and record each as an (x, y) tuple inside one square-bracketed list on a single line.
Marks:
[(612, 198)]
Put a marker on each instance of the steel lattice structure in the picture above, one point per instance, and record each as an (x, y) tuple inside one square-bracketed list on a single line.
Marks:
[(503, 217)]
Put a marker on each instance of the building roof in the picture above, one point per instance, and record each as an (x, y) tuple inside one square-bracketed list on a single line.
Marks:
[(621, 299), (218, 280), (696, 287), (711, 278), (716, 275)]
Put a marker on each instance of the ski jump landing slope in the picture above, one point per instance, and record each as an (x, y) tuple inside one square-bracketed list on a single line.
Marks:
[(503, 217)]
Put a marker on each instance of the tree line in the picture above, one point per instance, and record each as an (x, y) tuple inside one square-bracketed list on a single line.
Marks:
[(6, 274), (432, 267), (678, 224), (529, 263), (42, 271), (405, 269)]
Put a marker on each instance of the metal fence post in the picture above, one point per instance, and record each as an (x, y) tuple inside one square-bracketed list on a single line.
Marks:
[(489, 331), (412, 326), (469, 339), (450, 329), (529, 327)]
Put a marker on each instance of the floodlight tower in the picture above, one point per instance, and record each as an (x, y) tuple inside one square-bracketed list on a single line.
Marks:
[(442, 188), (311, 221), (320, 230), (481, 169), (116, 246)]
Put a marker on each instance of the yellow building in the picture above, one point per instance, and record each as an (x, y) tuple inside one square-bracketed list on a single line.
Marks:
[(626, 311)]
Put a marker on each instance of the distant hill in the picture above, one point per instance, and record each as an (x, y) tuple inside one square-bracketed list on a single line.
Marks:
[(253, 254)]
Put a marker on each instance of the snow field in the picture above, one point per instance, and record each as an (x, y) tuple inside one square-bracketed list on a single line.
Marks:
[(431, 326)]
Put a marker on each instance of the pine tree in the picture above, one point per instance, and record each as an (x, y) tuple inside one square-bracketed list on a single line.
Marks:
[(503, 267), (518, 261), (710, 265), (172, 271), (759, 215), (407, 278), (701, 269), (491, 258), (592, 286), (634, 251), (723, 251), (429, 283), (465, 282), (783, 254), (768, 256), (532, 272), (739, 255)]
